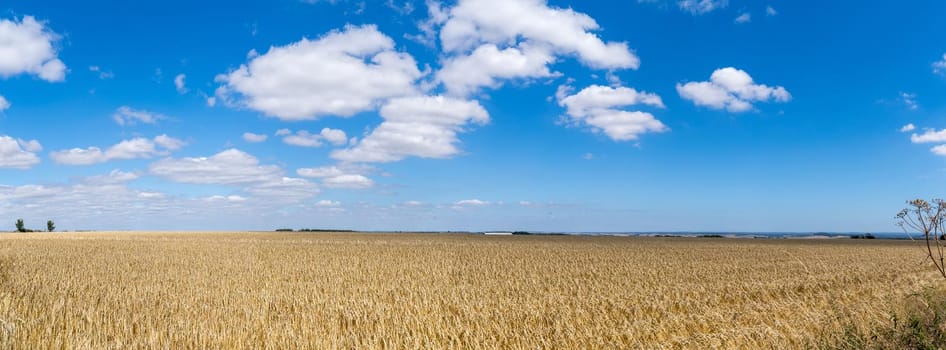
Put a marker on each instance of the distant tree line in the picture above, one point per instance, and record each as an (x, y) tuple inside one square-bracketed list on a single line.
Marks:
[(311, 230), (21, 226)]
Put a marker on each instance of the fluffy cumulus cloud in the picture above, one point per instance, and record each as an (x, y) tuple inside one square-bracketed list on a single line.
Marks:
[(333, 136), (472, 202), (254, 138), (354, 181), (325, 203), (475, 22), (228, 167), (303, 138), (745, 17), (27, 46), (603, 108), (699, 7), (136, 148), (939, 150), (488, 41), (928, 136), (939, 67), (469, 204), (18, 154), (234, 167), (75, 202), (424, 126), (114, 177), (125, 115), (487, 66), (109, 202), (180, 84), (338, 177), (731, 89), (169, 143), (340, 74)]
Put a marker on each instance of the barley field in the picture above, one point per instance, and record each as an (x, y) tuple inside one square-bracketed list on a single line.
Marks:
[(445, 291)]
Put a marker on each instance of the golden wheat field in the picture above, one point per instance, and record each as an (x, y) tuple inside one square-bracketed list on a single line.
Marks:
[(355, 290)]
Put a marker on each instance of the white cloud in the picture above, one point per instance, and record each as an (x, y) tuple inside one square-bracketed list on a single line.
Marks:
[(228, 167), (132, 149), (770, 11), (939, 67), (325, 203), (230, 198), (79, 156), (113, 177), (303, 138), (284, 189), (699, 7), (180, 85), (135, 148), (236, 168), (471, 203), (731, 89), (403, 10), (505, 22), (436, 16), (908, 128), (909, 101), (30, 146), (341, 73), (334, 136), (423, 127), (321, 172), (486, 65), (930, 136), (75, 202), (107, 202), (4, 104), (745, 17), (939, 150), (603, 97), (18, 154), (336, 177), (353, 181), (102, 73), (599, 107), (28, 46), (169, 143), (150, 195), (254, 138), (127, 116)]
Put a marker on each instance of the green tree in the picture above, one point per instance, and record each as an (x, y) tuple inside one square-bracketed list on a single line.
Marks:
[(20, 227), (50, 226)]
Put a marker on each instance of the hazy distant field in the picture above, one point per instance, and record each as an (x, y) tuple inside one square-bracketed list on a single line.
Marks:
[(291, 290)]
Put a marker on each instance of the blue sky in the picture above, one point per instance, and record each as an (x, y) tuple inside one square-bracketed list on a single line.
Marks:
[(696, 115)]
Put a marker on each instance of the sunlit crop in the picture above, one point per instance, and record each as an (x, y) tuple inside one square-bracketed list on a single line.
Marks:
[(292, 290)]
